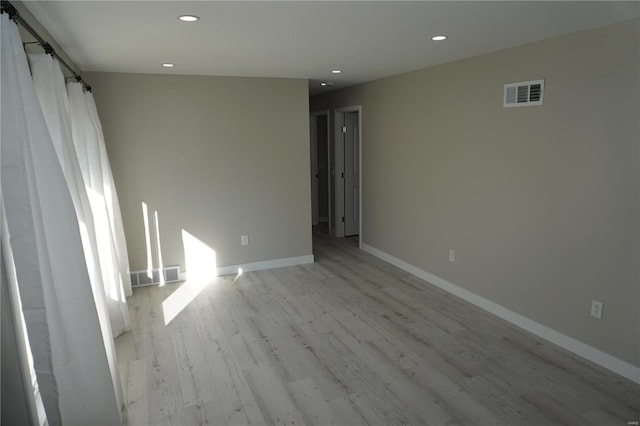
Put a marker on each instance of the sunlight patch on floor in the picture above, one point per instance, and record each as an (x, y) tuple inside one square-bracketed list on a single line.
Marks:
[(201, 266)]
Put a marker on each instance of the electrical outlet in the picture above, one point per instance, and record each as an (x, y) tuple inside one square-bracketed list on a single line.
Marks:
[(244, 240), (596, 309), (452, 256)]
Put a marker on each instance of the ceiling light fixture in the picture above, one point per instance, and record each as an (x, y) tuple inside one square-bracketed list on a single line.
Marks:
[(168, 65), (439, 37), (336, 72), (188, 18)]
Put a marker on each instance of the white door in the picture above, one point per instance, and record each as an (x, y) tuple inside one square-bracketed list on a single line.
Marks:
[(351, 174)]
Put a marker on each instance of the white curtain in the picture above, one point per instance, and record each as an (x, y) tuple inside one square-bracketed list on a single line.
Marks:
[(111, 197), (49, 83), (63, 327), (96, 171), (100, 251)]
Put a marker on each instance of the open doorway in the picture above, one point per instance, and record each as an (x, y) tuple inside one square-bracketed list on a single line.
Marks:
[(336, 174), (320, 170)]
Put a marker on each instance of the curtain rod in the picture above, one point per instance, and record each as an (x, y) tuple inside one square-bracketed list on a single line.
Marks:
[(14, 15)]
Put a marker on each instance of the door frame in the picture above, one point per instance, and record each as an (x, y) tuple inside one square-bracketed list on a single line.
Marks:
[(313, 121), (338, 120)]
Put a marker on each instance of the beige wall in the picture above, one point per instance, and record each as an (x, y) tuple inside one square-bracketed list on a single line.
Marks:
[(42, 31), (218, 157), (541, 204)]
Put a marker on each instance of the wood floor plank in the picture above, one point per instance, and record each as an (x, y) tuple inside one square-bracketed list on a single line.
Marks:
[(272, 397), (348, 413), (438, 384), (350, 340), (235, 402), (312, 403), (134, 381)]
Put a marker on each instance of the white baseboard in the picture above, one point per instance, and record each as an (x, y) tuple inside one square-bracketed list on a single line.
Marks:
[(618, 366), (267, 264), (259, 266)]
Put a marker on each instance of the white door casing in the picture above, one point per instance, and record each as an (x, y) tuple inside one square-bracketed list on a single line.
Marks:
[(351, 146)]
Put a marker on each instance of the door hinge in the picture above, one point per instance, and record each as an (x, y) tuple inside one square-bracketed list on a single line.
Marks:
[(344, 129), (342, 175), (342, 219)]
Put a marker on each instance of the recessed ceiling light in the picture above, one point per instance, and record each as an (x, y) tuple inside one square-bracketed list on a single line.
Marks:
[(188, 18), (168, 65), (336, 71), (439, 37), (326, 83)]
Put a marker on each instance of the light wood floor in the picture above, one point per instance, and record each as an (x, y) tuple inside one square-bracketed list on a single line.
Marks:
[(351, 340)]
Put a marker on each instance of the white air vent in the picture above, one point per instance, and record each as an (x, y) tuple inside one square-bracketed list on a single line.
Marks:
[(525, 93), (140, 278)]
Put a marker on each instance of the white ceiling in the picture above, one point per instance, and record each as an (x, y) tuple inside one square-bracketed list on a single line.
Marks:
[(305, 39)]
